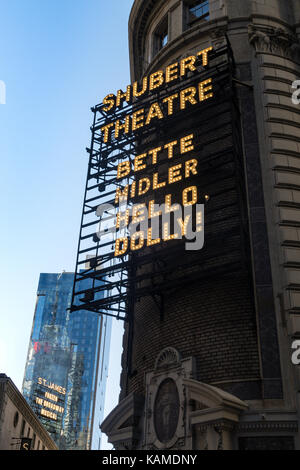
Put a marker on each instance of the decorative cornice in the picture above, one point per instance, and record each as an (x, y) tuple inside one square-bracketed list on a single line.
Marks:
[(213, 397), (268, 426), (219, 426), (276, 41)]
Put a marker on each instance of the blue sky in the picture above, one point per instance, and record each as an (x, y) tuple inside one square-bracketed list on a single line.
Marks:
[(57, 59)]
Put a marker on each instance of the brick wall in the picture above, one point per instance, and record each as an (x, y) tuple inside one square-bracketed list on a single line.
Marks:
[(212, 321)]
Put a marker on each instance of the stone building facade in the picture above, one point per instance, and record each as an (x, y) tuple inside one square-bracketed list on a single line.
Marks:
[(216, 371), (19, 425)]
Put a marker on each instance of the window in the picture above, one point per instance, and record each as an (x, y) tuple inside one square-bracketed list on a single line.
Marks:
[(16, 419), (161, 36), (199, 10), (163, 39), (22, 428)]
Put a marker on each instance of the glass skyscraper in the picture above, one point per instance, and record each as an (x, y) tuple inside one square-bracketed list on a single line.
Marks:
[(67, 363)]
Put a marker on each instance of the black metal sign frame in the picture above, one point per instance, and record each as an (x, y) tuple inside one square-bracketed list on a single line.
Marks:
[(110, 285)]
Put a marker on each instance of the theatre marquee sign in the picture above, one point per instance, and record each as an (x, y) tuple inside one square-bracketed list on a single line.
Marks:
[(159, 152), (139, 176), (157, 110)]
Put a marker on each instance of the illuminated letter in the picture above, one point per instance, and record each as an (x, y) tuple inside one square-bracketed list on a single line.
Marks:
[(188, 95), (138, 162), (188, 64), (121, 241), (186, 144), (121, 95), (138, 213), (183, 224), (154, 111), (191, 167), (125, 126), (172, 72), (150, 241), (123, 169), (105, 131), (138, 119), (204, 54), (174, 173), (156, 184), (144, 89), (147, 187), (122, 195), (168, 205), (156, 80), (170, 100), (166, 233), (122, 218), (133, 189), (109, 100), (153, 214), (199, 220), (154, 153), (203, 89), (170, 148), (140, 245), (193, 190)]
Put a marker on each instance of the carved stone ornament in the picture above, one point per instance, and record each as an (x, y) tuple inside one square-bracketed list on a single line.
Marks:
[(266, 39), (269, 427), (165, 425), (168, 357), (166, 410), (218, 37)]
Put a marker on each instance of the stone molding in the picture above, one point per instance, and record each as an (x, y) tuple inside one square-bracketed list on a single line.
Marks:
[(169, 357), (122, 424), (268, 426), (277, 41), (176, 370)]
